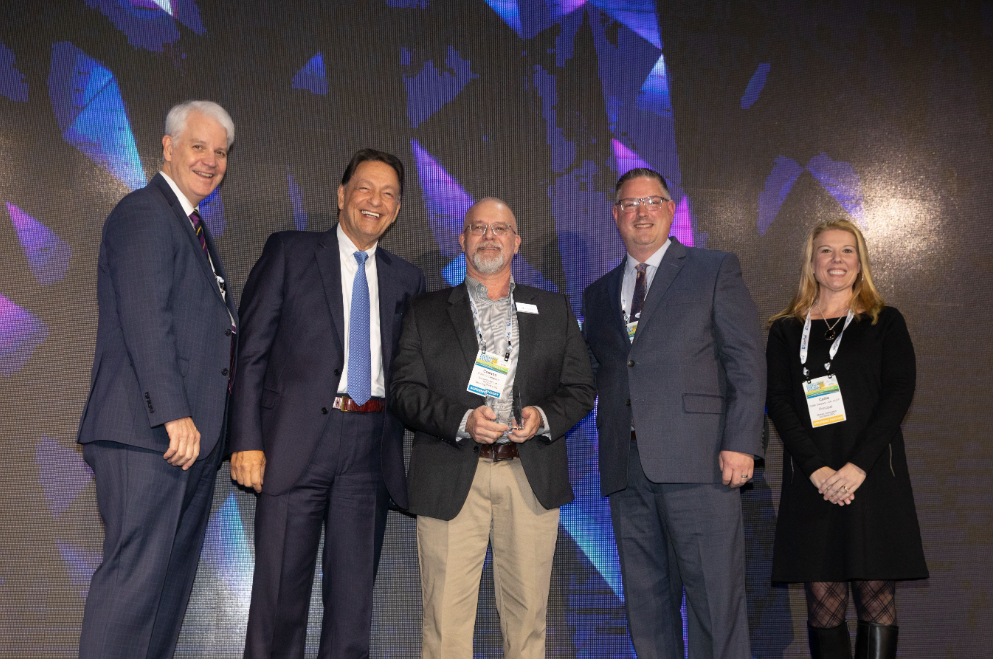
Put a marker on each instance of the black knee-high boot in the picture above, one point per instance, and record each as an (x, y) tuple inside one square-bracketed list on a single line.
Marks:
[(830, 642), (875, 641)]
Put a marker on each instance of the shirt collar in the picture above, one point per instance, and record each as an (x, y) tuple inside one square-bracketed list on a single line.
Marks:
[(654, 260), (188, 208), (346, 246), (480, 292)]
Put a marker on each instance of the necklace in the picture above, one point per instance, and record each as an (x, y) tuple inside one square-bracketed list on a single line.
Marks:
[(830, 334)]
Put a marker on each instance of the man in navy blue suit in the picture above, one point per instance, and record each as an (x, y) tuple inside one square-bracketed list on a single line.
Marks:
[(153, 426), (677, 354), (312, 430)]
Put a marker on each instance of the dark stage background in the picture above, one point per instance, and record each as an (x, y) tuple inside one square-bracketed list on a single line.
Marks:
[(766, 116)]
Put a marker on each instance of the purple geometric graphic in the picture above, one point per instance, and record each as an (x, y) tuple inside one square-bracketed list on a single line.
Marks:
[(62, 472), (150, 24), (842, 181), (431, 88), (20, 334), (446, 201), (91, 113), (312, 76), (296, 199), (654, 94), (682, 223), (80, 564), (227, 552), (755, 86), (638, 15), (47, 254), (12, 84), (563, 151), (839, 179), (626, 159), (212, 212)]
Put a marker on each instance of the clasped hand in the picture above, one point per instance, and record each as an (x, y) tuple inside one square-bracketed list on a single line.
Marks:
[(483, 427), (838, 486)]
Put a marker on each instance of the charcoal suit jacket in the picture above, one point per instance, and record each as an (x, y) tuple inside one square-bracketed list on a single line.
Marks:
[(433, 362)]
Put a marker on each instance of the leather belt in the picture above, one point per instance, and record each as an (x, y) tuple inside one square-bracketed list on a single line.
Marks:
[(498, 452), (346, 404)]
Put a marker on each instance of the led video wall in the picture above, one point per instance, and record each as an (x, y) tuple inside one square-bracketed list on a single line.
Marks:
[(765, 116)]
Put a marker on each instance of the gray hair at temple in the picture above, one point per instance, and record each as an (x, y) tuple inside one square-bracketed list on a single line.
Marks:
[(176, 119), (642, 172)]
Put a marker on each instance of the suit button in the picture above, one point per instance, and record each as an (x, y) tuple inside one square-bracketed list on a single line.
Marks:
[(224, 371), (630, 362), (628, 402), (227, 332), (324, 410), (337, 372)]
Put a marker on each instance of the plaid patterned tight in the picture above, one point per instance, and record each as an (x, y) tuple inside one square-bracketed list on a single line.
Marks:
[(828, 600)]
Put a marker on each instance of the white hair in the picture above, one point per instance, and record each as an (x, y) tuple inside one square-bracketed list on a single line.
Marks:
[(176, 119)]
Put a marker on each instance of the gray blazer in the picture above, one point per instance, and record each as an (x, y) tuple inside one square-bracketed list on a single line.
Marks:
[(164, 334), (693, 381)]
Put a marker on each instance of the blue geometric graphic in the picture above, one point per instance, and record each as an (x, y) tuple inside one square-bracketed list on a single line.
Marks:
[(150, 24), (212, 212), (785, 172), (80, 564), (839, 179), (408, 4), (20, 333), (563, 151), (62, 472), (91, 113), (12, 84), (654, 94), (755, 86), (638, 15), (522, 271), (430, 89), (47, 254), (227, 552), (842, 181), (296, 199), (446, 201), (508, 11), (312, 76)]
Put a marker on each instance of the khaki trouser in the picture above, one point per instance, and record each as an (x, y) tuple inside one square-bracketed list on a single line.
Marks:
[(501, 509)]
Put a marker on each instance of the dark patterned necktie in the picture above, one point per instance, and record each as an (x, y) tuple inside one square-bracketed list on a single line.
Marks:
[(198, 228), (638, 300)]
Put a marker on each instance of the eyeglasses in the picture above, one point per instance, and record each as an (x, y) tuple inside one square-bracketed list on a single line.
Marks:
[(651, 204), (498, 230)]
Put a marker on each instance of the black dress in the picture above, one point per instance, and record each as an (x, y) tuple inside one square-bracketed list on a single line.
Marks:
[(877, 536)]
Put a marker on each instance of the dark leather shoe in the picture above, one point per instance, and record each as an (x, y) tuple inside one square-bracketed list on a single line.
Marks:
[(830, 642), (876, 641)]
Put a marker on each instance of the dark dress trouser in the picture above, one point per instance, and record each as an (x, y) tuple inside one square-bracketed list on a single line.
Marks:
[(675, 535), (155, 516), (342, 489)]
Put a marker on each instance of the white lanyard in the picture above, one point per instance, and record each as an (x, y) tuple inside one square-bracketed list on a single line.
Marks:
[(805, 339), (479, 333)]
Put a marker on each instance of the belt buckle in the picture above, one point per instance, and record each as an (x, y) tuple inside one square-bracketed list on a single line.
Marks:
[(338, 403)]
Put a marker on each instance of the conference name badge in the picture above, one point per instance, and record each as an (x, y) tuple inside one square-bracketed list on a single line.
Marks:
[(824, 401), (632, 328), (489, 374)]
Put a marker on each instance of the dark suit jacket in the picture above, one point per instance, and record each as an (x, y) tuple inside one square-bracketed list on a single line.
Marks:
[(693, 380), (292, 353), (430, 375), (164, 334)]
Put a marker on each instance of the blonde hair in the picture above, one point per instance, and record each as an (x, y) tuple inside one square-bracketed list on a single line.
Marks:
[(865, 297)]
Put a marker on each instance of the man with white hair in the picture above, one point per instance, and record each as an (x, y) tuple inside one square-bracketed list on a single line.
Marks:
[(154, 423)]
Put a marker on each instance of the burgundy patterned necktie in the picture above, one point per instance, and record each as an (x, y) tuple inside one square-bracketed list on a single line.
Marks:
[(638, 300), (198, 227)]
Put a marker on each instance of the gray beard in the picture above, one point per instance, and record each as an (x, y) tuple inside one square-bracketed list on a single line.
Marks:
[(487, 266)]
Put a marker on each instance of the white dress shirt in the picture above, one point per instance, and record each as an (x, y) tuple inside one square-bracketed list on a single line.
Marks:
[(631, 275), (349, 266)]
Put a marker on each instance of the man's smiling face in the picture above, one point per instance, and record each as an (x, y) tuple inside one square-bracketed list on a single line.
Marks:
[(369, 203), (197, 158)]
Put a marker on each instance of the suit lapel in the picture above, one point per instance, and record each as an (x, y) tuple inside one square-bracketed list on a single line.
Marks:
[(388, 294), (330, 266), (527, 329), (461, 315), (672, 263), (613, 282)]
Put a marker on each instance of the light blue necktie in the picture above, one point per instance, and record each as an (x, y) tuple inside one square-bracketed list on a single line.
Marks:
[(359, 353)]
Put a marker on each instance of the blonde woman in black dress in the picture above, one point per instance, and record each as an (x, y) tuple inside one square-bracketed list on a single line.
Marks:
[(841, 378)]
